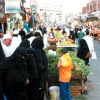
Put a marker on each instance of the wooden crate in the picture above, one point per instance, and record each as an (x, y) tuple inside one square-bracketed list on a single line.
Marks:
[(73, 89)]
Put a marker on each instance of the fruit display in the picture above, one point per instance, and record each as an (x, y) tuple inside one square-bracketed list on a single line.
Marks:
[(67, 43)]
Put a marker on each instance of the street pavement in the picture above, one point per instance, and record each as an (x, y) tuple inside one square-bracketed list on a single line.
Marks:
[(93, 82)]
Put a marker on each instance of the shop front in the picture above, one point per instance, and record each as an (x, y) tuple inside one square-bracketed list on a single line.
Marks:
[(92, 21)]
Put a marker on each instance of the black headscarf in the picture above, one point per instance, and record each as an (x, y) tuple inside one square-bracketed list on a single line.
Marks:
[(28, 35), (22, 34), (25, 43), (32, 63), (2, 55), (18, 63), (83, 45), (37, 43), (41, 58)]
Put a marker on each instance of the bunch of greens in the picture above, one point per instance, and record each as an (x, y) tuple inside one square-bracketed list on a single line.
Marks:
[(52, 69), (79, 66), (58, 51)]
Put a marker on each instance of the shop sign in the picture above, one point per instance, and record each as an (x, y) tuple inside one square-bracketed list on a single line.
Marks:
[(12, 6), (33, 9)]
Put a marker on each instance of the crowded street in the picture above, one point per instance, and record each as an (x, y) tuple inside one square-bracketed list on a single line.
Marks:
[(49, 50)]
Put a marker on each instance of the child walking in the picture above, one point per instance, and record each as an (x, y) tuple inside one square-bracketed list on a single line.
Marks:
[(65, 66)]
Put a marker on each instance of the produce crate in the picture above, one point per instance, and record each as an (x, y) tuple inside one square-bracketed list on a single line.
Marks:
[(78, 88), (74, 90)]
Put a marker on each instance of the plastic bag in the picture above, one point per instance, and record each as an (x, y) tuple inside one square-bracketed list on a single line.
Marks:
[(65, 62), (94, 55)]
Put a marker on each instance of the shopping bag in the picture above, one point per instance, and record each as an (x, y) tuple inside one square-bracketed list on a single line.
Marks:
[(94, 55), (88, 55)]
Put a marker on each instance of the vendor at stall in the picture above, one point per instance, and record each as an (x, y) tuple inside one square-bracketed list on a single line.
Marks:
[(58, 34)]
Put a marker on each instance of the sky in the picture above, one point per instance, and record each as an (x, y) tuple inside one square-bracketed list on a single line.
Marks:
[(68, 5)]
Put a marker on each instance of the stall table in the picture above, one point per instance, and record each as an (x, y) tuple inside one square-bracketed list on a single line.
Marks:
[(53, 41), (95, 32)]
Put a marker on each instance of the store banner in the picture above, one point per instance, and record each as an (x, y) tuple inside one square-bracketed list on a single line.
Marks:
[(12, 6)]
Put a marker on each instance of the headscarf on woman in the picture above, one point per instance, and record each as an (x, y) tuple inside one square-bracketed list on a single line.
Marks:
[(83, 50), (42, 62), (32, 87), (25, 43), (22, 34), (32, 64), (14, 75)]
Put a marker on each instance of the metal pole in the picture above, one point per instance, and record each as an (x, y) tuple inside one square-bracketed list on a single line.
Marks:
[(13, 22), (97, 4)]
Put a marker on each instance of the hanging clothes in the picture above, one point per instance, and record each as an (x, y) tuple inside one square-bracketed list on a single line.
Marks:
[(3, 26)]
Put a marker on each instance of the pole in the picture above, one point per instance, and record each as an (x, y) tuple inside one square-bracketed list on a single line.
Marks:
[(13, 22), (97, 4)]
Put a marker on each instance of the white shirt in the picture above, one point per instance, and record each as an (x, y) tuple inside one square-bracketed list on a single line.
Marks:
[(89, 41), (15, 43), (39, 32), (45, 39), (31, 39), (67, 30), (6, 50)]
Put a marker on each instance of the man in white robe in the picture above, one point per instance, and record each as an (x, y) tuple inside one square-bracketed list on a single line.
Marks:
[(89, 41), (7, 39), (15, 41)]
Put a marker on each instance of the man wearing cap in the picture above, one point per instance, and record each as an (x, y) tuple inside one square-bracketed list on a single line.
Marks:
[(1, 35), (15, 41), (7, 39)]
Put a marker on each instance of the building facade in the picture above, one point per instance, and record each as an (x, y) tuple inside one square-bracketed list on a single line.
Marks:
[(48, 13)]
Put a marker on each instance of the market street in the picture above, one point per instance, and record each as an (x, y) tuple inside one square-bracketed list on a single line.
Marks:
[(94, 76), (93, 82)]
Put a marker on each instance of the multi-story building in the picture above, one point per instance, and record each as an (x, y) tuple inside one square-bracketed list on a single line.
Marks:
[(48, 12), (91, 7), (92, 10)]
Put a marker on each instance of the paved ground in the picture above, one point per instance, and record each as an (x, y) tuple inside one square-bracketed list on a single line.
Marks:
[(94, 77)]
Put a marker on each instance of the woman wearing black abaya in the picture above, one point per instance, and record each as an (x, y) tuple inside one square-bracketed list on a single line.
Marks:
[(42, 62), (32, 87), (83, 50), (25, 43), (22, 34), (14, 75), (2, 56)]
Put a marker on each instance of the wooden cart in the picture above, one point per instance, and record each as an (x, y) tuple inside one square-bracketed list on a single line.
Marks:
[(73, 89)]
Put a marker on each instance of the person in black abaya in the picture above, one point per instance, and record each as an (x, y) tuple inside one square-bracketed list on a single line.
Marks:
[(32, 87), (28, 36), (42, 64), (83, 50), (72, 35), (25, 43), (22, 34), (2, 56), (14, 75)]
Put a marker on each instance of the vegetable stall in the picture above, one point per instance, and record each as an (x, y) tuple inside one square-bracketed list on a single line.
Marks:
[(79, 71)]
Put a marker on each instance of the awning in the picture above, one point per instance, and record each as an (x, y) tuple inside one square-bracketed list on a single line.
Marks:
[(12, 6)]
